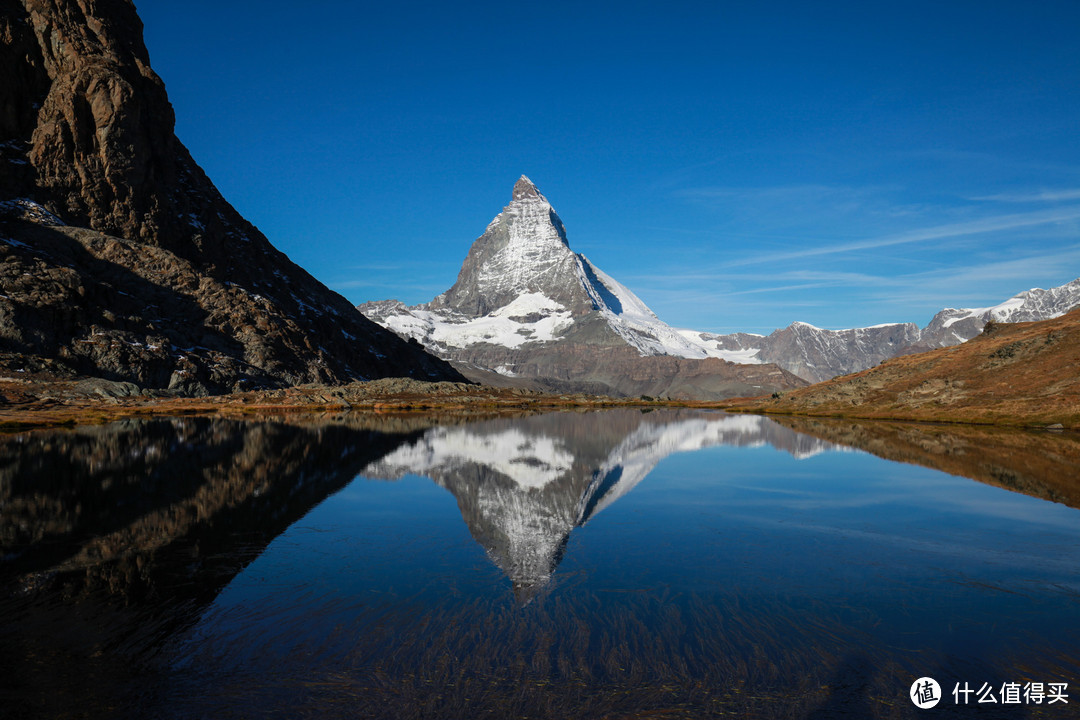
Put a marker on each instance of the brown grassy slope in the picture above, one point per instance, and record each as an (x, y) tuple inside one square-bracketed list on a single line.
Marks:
[(1012, 374)]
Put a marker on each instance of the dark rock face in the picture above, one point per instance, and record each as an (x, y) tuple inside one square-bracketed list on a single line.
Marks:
[(86, 141), (97, 126)]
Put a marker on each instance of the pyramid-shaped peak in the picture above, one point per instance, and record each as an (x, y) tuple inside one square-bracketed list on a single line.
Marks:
[(524, 188)]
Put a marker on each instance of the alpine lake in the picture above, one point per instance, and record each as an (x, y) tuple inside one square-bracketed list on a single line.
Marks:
[(609, 564)]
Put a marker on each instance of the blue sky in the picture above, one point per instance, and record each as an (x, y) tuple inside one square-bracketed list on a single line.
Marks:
[(737, 165)]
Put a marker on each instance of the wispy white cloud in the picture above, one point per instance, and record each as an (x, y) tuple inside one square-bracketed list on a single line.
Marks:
[(939, 232), (827, 277), (1034, 197), (804, 201), (978, 284), (770, 192), (813, 296), (390, 283)]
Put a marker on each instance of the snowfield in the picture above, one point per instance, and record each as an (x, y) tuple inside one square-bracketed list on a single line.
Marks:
[(510, 326)]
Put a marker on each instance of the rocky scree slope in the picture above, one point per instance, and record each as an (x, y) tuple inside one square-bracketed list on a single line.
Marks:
[(118, 256), (528, 310)]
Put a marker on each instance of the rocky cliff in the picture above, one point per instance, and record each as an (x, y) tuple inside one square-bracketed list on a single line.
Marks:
[(118, 256)]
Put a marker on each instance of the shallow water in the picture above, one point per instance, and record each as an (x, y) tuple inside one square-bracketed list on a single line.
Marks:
[(610, 564)]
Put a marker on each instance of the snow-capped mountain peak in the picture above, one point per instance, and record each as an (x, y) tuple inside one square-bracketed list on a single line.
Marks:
[(522, 285)]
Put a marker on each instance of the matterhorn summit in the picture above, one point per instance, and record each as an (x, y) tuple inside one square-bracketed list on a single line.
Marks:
[(526, 306), (523, 252), (522, 283)]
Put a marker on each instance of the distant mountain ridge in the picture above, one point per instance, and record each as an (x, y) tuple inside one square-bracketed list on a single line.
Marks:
[(526, 308), (951, 325), (119, 259), (816, 354)]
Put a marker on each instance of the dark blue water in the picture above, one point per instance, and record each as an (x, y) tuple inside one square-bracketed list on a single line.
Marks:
[(572, 565)]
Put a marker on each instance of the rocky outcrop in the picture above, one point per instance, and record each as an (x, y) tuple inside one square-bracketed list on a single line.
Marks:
[(129, 245)]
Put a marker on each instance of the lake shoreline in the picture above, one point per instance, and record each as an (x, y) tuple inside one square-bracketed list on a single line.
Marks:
[(39, 403), (26, 404), (966, 416)]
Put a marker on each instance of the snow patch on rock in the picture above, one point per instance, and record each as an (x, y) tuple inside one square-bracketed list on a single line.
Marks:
[(531, 317)]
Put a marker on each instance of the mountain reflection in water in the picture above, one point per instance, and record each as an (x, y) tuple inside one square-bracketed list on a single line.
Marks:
[(203, 567), (522, 485), (114, 537)]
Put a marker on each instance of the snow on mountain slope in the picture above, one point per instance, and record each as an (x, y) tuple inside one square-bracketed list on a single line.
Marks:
[(1034, 304), (952, 326), (633, 320), (530, 317)]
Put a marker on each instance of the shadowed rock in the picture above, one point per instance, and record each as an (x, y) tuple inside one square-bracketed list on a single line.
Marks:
[(130, 245)]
